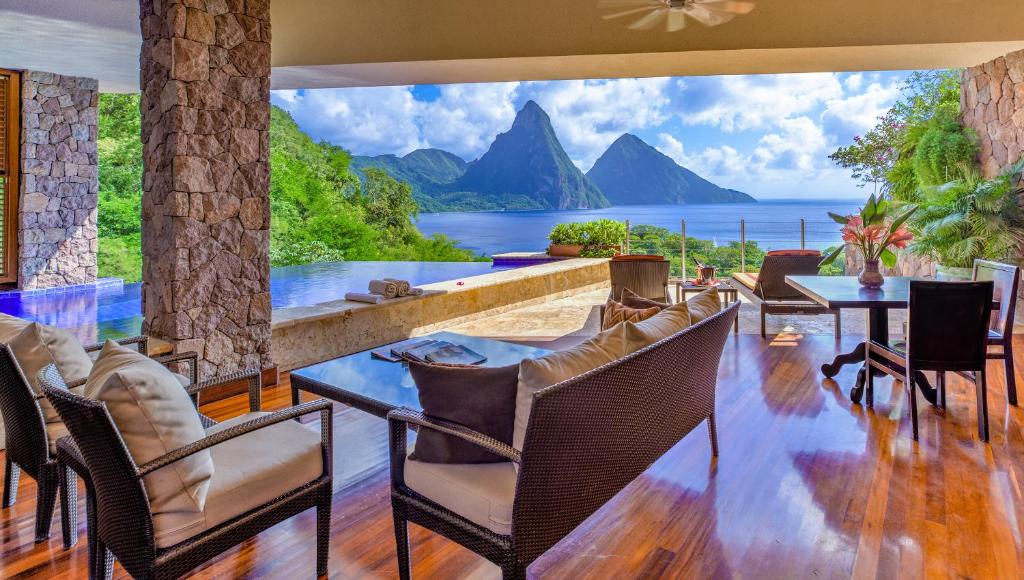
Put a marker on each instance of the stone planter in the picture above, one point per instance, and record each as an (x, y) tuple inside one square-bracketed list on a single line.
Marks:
[(565, 250), (952, 273)]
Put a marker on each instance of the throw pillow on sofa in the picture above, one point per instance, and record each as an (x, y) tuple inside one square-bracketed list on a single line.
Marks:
[(154, 416), (481, 398), (704, 305), (616, 312), (39, 345), (634, 300), (10, 326), (540, 373), (665, 324)]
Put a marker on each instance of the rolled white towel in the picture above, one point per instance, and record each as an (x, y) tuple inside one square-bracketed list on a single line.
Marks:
[(363, 297), (403, 285), (384, 288)]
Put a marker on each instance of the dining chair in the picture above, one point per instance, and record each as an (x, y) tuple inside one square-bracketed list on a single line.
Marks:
[(1000, 333), (947, 331)]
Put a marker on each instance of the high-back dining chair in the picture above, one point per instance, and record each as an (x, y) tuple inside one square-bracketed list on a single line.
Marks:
[(1000, 334), (947, 331)]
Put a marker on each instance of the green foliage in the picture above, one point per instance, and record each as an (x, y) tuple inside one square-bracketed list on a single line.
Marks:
[(919, 142), (320, 211), (726, 259), (597, 237), (970, 218)]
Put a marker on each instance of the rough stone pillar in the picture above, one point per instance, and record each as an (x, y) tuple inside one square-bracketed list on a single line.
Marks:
[(205, 208), (59, 185), (992, 103)]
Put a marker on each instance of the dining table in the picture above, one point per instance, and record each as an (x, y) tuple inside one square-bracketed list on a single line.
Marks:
[(846, 292)]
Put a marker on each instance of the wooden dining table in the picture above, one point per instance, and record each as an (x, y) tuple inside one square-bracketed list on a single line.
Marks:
[(839, 292)]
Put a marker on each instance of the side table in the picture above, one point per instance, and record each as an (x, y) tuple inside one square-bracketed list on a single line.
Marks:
[(728, 292)]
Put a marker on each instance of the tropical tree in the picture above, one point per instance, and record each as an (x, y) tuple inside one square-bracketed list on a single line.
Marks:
[(970, 218)]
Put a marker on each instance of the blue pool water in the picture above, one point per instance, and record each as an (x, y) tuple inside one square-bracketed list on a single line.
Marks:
[(114, 310)]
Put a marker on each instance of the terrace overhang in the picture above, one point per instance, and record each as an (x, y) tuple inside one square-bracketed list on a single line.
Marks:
[(391, 42)]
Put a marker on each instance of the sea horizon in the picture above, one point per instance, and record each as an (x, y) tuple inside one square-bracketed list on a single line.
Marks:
[(772, 223)]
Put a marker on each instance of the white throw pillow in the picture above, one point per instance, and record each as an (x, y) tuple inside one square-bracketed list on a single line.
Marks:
[(662, 325), (154, 416), (39, 345), (10, 326), (539, 373)]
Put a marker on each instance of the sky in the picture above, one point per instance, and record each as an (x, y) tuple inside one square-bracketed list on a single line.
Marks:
[(767, 135)]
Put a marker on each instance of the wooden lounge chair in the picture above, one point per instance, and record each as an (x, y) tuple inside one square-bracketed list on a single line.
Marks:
[(776, 296)]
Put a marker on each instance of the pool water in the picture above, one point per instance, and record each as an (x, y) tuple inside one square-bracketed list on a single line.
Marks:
[(105, 310)]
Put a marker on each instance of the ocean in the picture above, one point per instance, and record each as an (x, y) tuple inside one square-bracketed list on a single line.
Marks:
[(772, 224)]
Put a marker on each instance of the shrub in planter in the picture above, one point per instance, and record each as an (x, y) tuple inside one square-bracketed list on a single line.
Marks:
[(567, 239), (597, 238)]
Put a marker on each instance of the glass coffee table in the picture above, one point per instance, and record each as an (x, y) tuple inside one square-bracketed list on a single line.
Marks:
[(378, 386)]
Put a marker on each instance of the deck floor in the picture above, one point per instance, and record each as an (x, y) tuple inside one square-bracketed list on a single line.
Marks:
[(807, 485)]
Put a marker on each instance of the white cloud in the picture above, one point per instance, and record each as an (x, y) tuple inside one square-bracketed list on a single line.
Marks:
[(859, 112), (739, 103)]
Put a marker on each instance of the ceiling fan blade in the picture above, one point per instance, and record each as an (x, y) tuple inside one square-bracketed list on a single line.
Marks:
[(732, 6), (622, 4), (676, 21), (651, 20), (625, 12), (707, 17)]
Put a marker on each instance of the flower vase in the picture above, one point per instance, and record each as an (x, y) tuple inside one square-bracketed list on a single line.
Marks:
[(870, 276)]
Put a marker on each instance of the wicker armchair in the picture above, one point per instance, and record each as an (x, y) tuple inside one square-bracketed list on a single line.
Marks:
[(776, 296), (587, 438), (31, 445), (120, 523), (647, 278)]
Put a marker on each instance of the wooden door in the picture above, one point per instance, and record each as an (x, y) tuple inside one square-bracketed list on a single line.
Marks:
[(10, 137)]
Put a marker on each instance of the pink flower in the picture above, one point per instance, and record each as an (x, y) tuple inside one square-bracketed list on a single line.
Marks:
[(900, 237), (852, 231), (874, 233)]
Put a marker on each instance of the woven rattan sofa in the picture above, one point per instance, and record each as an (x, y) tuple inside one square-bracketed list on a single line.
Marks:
[(586, 439), (119, 520)]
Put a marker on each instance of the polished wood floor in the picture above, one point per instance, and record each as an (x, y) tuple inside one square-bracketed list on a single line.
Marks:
[(807, 485)]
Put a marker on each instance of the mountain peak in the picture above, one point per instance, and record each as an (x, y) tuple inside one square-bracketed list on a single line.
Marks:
[(531, 115), (631, 171)]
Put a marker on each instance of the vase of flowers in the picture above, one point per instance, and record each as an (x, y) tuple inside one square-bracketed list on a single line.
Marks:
[(876, 231)]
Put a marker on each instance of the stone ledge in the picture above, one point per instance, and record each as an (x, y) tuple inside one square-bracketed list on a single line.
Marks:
[(307, 335)]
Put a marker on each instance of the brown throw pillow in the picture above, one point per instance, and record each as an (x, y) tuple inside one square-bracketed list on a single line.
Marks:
[(481, 398), (634, 300), (615, 312)]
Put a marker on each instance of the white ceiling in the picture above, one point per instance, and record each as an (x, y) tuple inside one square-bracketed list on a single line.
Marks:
[(335, 43)]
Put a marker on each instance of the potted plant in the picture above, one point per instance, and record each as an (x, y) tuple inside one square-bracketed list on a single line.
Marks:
[(875, 232), (567, 240), (969, 218)]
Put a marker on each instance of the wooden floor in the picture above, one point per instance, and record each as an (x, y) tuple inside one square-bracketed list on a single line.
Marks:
[(807, 485)]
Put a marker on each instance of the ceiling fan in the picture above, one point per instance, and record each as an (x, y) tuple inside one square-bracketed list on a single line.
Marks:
[(674, 13)]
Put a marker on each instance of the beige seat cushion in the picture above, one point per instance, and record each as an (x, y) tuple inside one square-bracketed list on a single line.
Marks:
[(748, 279), (480, 492), (154, 416), (249, 472), (706, 304), (539, 373), (665, 324), (39, 345)]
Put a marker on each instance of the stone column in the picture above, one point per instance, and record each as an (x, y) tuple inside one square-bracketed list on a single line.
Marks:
[(59, 186), (992, 103), (206, 180)]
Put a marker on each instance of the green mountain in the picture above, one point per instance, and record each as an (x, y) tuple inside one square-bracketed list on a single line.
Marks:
[(429, 172), (528, 162), (633, 172)]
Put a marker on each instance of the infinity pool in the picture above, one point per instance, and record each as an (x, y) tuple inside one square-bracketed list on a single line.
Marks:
[(113, 310)]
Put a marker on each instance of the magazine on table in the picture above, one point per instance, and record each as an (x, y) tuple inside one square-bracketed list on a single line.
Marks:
[(430, 351)]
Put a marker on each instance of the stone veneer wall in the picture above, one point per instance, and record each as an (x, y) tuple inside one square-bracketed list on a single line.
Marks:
[(206, 209), (59, 180), (907, 264), (992, 101)]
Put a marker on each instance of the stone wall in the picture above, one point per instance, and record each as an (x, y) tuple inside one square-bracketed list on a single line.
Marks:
[(206, 208), (992, 101), (59, 184)]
